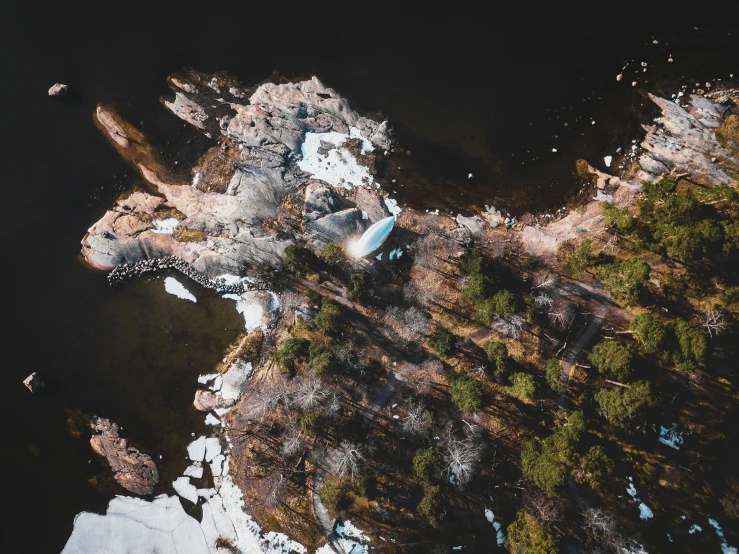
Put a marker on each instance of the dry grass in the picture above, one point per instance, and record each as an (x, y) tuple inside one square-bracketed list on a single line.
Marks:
[(185, 234)]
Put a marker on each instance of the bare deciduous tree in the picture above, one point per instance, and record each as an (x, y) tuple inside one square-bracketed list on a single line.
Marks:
[(461, 456), (417, 323), (543, 508), (420, 296), (349, 458), (510, 326), (611, 244), (273, 489), (292, 441), (543, 300), (308, 392), (263, 399), (560, 313), (479, 370), (333, 403), (714, 322), (603, 527), (544, 280), (417, 420)]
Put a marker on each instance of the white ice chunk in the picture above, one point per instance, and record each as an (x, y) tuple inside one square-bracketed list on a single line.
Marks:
[(165, 226), (365, 215), (210, 419), (173, 286), (194, 471), (235, 378), (212, 448), (196, 179), (608, 160), (695, 529), (252, 307), (373, 238), (202, 379), (185, 489), (196, 449), (379, 256), (216, 465), (392, 206)]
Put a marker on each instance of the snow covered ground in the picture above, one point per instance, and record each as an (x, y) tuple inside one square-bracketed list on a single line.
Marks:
[(490, 516), (337, 167), (671, 436), (165, 226)]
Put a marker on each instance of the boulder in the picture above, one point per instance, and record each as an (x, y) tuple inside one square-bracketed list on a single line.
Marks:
[(474, 223), (205, 401), (135, 471), (34, 382), (320, 200), (337, 227), (58, 90)]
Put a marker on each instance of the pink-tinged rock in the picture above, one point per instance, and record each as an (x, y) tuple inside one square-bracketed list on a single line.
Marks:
[(135, 471), (34, 382), (205, 401)]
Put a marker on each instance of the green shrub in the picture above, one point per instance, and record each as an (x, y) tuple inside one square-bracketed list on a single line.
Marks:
[(523, 386), (441, 342), (477, 288), (620, 218), (466, 392), (314, 297), (309, 422), (299, 260), (612, 359), (620, 404), (527, 536), (366, 485), (472, 262), (553, 373), (594, 468), (431, 507), (503, 302), (497, 354), (291, 351), (690, 345), (359, 286), (581, 259), (329, 317), (320, 360), (426, 462), (625, 279), (333, 253), (649, 331), (333, 492)]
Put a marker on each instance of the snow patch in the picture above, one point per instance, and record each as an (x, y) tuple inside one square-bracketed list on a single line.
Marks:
[(392, 206), (645, 511), (608, 160), (725, 548), (165, 226), (397, 253), (173, 286), (234, 379), (695, 529), (351, 538), (490, 516), (338, 166), (252, 306), (671, 436)]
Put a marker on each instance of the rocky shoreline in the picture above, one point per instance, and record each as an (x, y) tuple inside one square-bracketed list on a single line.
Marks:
[(124, 272)]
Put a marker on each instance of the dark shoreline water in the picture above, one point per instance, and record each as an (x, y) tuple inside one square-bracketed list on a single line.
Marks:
[(465, 95)]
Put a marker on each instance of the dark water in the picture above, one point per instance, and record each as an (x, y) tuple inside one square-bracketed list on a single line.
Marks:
[(468, 92)]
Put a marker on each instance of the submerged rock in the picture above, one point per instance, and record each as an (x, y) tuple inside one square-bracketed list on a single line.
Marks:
[(58, 89), (135, 471), (34, 382)]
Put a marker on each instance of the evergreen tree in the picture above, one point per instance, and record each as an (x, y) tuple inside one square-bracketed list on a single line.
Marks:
[(612, 359), (620, 404), (527, 536), (649, 331)]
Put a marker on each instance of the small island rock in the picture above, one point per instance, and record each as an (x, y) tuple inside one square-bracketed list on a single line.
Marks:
[(58, 89), (34, 382)]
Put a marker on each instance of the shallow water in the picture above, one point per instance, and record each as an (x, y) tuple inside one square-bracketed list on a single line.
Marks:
[(466, 94)]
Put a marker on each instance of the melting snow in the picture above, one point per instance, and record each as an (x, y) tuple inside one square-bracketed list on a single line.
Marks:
[(644, 511), (234, 379), (196, 449), (392, 206), (338, 167), (165, 226), (173, 286), (372, 238), (202, 379), (251, 306), (397, 253), (671, 436), (379, 256), (695, 529), (490, 516), (210, 419), (196, 179), (725, 548), (351, 539)]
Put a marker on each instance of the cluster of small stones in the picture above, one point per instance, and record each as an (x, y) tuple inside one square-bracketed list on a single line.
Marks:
[(124, 272)]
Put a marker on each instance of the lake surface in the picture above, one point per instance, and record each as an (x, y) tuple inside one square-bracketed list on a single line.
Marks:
[(466, 93)]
